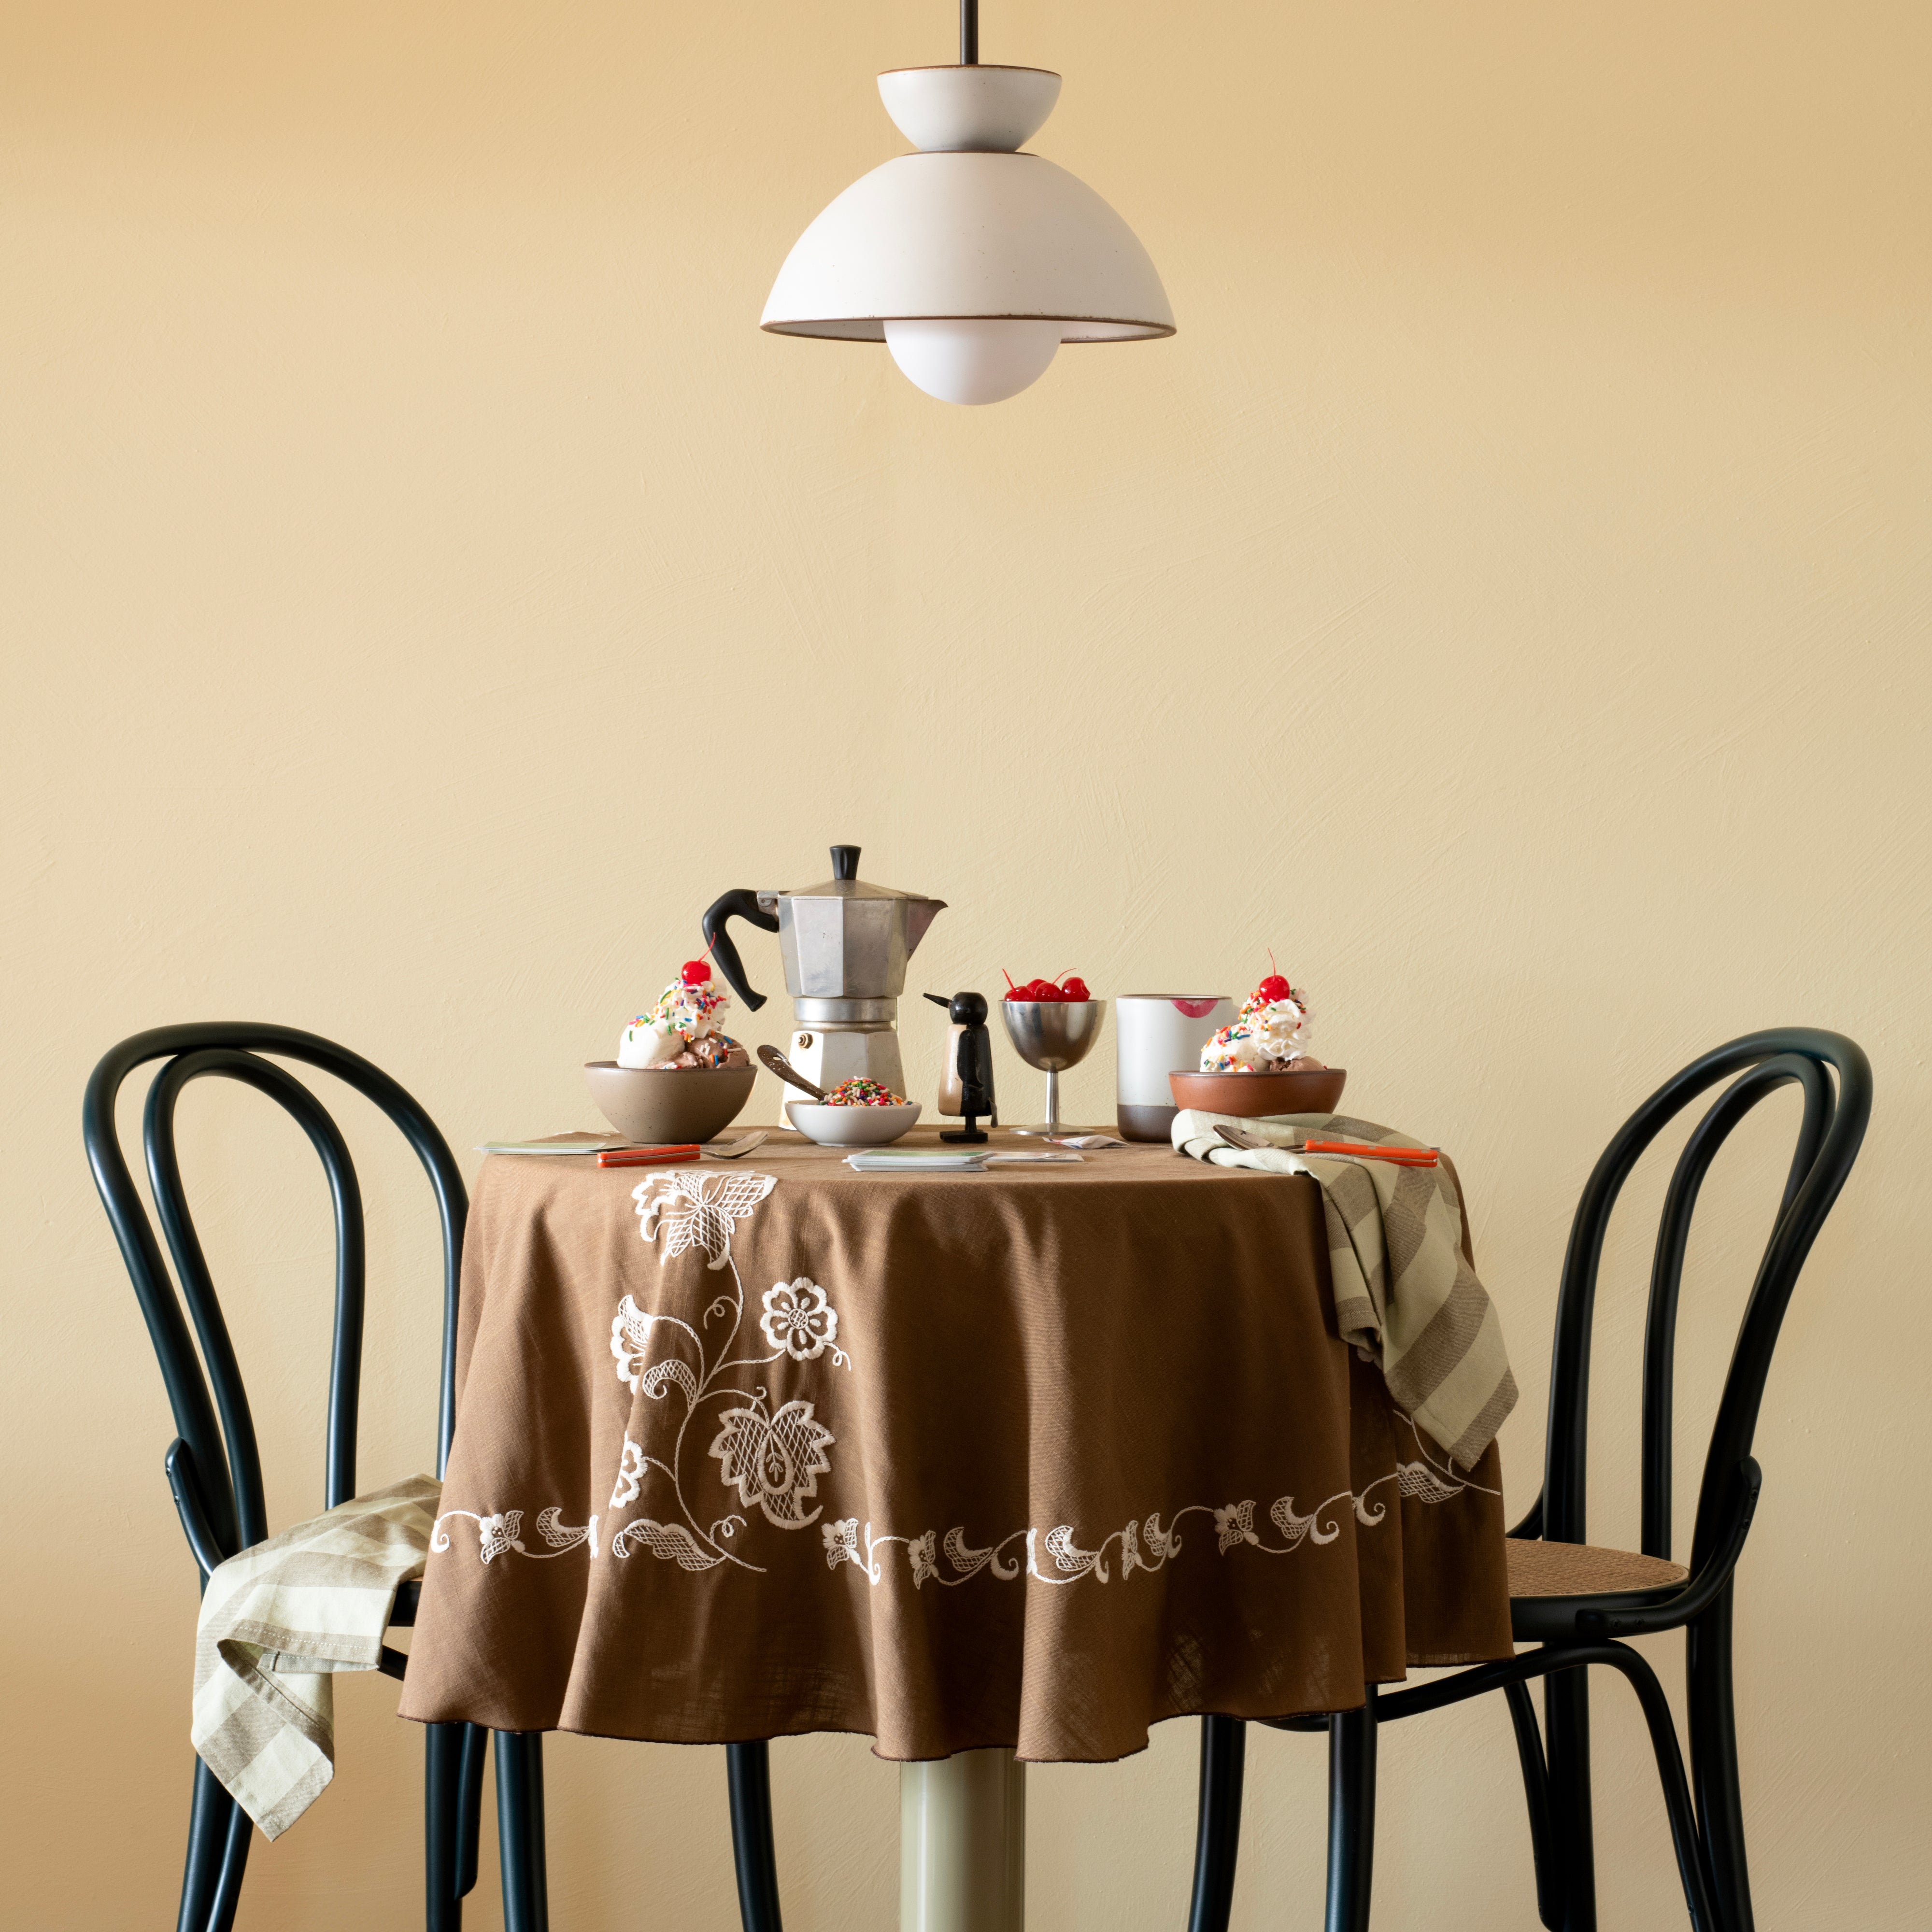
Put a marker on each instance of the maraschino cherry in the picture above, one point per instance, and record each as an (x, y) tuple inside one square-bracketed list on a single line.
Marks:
[(1070, 990)]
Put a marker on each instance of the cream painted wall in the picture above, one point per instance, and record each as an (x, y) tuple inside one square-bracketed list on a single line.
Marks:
[(423, 588)]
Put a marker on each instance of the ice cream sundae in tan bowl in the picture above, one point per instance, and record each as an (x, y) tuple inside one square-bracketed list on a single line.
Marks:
[(677, 1078)]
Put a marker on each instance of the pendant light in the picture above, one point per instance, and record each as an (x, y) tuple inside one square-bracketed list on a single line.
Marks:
[(970, 260)]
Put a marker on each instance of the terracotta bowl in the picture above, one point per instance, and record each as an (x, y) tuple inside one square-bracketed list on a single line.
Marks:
[(669, 1105), (1251, 1096)]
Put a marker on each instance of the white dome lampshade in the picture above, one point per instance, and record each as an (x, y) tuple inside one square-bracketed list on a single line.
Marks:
[(970, 261)]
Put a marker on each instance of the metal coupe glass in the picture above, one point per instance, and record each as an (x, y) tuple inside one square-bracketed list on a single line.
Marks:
[(1052, 1035)]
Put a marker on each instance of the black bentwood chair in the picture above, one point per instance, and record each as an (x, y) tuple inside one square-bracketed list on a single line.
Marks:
[(1575, 1601), (214, 1468)]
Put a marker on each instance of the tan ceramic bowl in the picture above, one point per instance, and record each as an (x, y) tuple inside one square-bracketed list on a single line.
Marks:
[(1251, 1096), (669, 1105)]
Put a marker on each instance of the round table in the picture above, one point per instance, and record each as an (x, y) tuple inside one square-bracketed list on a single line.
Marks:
[(1023, 1461)]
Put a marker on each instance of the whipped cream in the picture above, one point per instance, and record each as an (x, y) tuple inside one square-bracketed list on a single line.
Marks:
[(683, 1016), (1280, 1028), (1264, 1037)]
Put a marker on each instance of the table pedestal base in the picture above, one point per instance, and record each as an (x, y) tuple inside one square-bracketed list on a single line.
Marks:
[(962, 1844)]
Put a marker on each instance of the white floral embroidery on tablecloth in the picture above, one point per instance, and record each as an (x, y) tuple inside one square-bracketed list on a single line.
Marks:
[(693, 1207), (630, 1475), (798, 1319), (771, 1454), (773, 1457), (1235, 1524), (499, 1533), (776, 1459), (1144, 1543)]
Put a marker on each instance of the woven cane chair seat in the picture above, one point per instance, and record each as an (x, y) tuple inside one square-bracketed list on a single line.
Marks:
[(1585, 1570)]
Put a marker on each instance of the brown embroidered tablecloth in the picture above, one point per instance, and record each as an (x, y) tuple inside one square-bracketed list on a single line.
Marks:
[(1035, 1457)]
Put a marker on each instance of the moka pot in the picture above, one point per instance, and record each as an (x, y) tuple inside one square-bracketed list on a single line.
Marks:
[(845, 945)]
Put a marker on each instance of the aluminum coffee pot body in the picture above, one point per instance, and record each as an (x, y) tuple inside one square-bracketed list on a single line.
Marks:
[(844, 944), (842, 940)]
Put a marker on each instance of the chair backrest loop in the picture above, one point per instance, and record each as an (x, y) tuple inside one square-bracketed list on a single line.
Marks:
[(1829, 1136), (214, 1466), (1673, 1238), (191, 1270)]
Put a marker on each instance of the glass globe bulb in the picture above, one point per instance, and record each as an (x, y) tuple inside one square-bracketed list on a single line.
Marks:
[(972, 358)]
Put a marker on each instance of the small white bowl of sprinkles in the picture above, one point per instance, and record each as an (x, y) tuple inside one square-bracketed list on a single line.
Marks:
[(855, 1113)]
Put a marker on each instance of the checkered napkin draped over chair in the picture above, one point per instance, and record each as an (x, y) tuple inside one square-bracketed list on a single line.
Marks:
[(1405, 1293), (277, 1621)]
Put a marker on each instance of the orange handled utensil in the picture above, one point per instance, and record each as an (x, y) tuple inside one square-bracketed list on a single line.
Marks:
[(1401, 1156), (1397, 1157), (643, 1156)]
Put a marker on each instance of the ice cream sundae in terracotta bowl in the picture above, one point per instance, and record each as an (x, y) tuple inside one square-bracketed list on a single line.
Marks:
[(1260, 1064)]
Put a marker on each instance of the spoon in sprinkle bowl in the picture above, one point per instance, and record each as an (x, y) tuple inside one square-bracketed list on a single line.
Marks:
[(775, 1062)]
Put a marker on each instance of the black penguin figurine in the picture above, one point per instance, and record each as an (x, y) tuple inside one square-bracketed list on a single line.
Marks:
[(972, 1049)]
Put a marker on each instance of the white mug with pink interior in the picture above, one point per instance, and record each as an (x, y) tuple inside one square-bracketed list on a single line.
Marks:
[(1157, 1034)]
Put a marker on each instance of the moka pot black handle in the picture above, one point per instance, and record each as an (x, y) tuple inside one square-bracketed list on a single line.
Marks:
[(736, 904)]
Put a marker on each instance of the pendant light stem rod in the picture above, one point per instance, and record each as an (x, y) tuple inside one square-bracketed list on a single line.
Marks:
[(969, 33)]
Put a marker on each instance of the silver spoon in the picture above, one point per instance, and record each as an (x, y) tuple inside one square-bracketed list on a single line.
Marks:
[(776, 1063)]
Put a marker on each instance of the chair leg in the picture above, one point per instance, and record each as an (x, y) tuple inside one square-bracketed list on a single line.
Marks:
[(519, 1831), (1566, 1709), (1676, 1787), (227, 1899), (442, 1825), (1714, 1764), (1351, 1816), (539, 1831), (1217, 1832), (1536, 1798), (469, 1806), (207, 1834), (747, 1774)]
